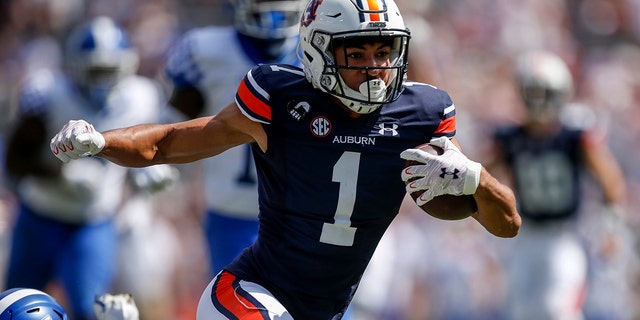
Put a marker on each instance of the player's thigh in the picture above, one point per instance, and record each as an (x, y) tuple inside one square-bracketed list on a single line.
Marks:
[(35, 243), (88, 266), (227, 297), (91, 252)]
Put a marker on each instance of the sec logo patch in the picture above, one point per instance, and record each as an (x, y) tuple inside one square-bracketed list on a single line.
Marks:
[(320, 126)]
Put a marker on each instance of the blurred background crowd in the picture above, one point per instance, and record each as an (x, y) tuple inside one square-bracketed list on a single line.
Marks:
[(439, 269)]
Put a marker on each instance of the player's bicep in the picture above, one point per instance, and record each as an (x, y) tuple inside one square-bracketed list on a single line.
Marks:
[(246, 129), (215, 134)]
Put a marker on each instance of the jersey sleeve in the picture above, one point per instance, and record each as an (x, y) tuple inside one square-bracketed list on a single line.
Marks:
[(181, 68), (433, 106), (440, 102), (253, 96), (447, 125)]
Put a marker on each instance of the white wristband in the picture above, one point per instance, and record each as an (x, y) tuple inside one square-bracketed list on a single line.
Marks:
[(472, 178)]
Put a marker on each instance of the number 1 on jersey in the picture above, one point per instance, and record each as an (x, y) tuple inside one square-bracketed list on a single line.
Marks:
[(345, 172)]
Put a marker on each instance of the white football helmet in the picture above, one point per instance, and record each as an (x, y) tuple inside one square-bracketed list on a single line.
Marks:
[(327, 20), (99, 54), (546, 84), (268, 19)]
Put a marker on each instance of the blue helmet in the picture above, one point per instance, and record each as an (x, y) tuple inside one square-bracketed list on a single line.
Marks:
[(268, 19), (99, 54), (29, 304)]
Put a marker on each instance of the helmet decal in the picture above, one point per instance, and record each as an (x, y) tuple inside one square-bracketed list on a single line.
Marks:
[(372, 10), (310, 13)]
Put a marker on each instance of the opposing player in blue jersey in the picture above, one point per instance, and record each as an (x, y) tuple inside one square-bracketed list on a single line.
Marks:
[(204, 78), (546, 156), (328, 142), (65, 228)]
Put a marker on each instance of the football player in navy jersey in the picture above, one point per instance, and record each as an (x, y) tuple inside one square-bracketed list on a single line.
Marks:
[(546, 156), (329, 141)]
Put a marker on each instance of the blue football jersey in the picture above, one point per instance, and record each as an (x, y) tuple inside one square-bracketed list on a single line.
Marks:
[(329, 184)]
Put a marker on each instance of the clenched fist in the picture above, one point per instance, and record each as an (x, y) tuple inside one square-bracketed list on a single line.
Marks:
[(75, 140)]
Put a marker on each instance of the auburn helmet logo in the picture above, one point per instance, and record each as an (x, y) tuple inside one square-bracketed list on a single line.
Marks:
[(310, 13)]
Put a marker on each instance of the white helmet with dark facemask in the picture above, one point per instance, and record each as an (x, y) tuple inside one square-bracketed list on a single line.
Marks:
[(268, 19), (327, 22), (545, 82)]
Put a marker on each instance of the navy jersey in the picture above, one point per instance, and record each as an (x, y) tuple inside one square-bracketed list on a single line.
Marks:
[(329, 184), (546, 171)]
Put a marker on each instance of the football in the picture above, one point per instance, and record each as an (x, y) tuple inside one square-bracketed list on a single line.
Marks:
[(446, 206)]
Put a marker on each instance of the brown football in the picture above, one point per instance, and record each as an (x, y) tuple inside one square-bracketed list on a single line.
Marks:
[(446, 206)]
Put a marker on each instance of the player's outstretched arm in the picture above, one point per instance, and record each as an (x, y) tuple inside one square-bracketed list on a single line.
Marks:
[(497, 210), (150, 144)]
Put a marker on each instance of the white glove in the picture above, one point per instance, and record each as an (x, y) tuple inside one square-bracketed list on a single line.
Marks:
[(154, 178), (449, 173), (76, 139), (115, 307)]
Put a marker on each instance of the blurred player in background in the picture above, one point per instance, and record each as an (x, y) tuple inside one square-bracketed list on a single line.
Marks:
[(204, 69), (546, 157), (65, 229)]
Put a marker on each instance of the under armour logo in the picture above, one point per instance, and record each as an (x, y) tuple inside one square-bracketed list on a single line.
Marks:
[(386, 130), (453, 173)]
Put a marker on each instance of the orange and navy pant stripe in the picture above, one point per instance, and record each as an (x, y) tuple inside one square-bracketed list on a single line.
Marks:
[(232, 301)]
